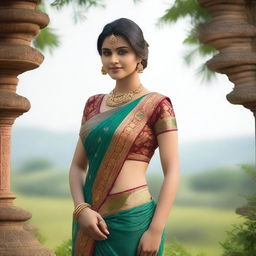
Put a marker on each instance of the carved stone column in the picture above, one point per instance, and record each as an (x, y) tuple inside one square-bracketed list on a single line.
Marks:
[(20, 22), (232, 31)]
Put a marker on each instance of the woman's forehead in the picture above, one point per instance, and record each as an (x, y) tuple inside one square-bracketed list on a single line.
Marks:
[(113, 42)]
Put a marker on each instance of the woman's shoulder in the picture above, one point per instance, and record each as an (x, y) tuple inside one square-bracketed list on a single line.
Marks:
[(95, 97), (163, 98), (92, 101)]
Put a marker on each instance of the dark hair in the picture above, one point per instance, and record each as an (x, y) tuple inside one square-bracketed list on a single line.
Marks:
[(131, 32)]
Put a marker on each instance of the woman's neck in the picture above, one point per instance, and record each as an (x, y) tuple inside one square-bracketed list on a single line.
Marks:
[(127, 84)]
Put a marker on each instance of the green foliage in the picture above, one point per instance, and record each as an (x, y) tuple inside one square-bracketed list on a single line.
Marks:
[(184, 8), (48, 182), (47, 40), (35, 164), (176, 249), (241, 240), (221, 180), (173, 249), (64, 249), (192, 10), (80, 7), (251, 206), (39, 236)]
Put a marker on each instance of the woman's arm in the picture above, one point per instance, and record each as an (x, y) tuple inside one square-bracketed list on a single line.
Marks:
[(169, 154), (88, 219), (168, 149), (77, 173)]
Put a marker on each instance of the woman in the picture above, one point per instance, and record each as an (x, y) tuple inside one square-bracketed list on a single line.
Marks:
[(118, 135)]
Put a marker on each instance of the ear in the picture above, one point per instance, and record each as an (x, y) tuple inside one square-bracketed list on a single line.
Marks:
[(138, 59)]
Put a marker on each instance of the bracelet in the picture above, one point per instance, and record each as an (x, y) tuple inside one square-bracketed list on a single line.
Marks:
[(79, 208)]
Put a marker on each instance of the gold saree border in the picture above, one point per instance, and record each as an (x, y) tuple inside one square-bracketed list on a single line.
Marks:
[(113, 160), (125, 200)]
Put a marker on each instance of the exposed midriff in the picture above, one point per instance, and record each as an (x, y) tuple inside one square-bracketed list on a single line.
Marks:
[(127, 177)]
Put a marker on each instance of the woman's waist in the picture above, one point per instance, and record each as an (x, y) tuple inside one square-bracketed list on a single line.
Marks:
[(126, 199), (128, 177)]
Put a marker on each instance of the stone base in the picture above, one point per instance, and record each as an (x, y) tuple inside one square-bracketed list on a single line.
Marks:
[(16, 236)]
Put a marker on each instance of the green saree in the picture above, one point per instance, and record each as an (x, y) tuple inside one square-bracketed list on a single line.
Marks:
[(107, 138)]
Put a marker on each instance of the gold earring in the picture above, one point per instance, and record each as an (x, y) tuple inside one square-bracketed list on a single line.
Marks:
[(140, 68), (103, 71)]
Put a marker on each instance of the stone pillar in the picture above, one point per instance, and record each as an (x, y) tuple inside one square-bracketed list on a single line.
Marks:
[(20, 22), (232, 31)]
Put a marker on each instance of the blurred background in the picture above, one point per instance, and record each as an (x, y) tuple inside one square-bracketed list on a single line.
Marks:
[(215, 137)]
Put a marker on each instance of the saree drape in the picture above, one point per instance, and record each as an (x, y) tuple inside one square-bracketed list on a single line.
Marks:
[(107, 138)]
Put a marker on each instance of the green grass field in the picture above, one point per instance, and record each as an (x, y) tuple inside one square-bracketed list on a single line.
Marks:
[(200, 229), (196, 228)]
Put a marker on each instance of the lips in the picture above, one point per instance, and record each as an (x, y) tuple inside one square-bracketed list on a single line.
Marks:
[(115, 68)]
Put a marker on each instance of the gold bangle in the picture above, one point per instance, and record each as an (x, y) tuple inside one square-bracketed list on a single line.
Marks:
[(79, 208), (80, 205), (78, 213)]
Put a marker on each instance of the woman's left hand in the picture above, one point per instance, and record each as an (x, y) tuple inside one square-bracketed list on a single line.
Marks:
[(149, 243)]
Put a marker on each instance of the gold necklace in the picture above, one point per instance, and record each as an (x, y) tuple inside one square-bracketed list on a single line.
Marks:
[(114, 100)]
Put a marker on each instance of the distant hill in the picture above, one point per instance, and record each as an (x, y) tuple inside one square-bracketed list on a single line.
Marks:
[(59, 147), (217, 188)]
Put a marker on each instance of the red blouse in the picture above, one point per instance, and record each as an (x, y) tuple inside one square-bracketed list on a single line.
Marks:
[(162, 120)]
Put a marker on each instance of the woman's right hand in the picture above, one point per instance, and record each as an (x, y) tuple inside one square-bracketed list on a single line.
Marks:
[(89, 220)]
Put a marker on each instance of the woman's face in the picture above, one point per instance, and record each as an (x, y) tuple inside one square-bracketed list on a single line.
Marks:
[(117, 52)]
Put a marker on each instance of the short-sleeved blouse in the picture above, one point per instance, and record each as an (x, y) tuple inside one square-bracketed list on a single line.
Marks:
[(162, 120)]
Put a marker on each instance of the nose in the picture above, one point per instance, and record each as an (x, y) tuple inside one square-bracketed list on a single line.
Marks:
[(114, 58)]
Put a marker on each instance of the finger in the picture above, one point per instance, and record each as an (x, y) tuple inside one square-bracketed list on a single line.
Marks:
[(98, 232), (145, 253), (138, 250), (91, 234), (103, 226), (142, 253), (102, 223)]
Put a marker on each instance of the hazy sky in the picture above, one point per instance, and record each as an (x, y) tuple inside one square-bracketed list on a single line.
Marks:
[(59, 88)]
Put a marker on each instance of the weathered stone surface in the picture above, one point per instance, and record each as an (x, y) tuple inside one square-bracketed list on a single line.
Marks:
[(20, 22), (232, 31)]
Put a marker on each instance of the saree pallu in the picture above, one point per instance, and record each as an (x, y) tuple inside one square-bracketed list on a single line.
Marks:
[(107, 138)]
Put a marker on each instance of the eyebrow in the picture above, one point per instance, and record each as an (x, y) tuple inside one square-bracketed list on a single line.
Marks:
[(116, 48)]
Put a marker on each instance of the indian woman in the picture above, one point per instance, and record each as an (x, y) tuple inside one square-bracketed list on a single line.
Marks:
[(114, 211)]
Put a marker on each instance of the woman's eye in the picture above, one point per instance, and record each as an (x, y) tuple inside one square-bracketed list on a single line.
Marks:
[(122, 52), (106, 53)]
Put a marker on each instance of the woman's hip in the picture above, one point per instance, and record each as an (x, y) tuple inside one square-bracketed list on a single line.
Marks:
[(121, 202)]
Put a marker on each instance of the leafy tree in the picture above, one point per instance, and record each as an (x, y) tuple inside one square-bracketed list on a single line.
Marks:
[(64, 249), (196, 15), (36, 164), (221, 180), (48, 39), (241, 240), (177, 249)]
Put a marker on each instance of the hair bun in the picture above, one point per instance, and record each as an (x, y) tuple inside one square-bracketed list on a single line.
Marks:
[(131, 32)]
